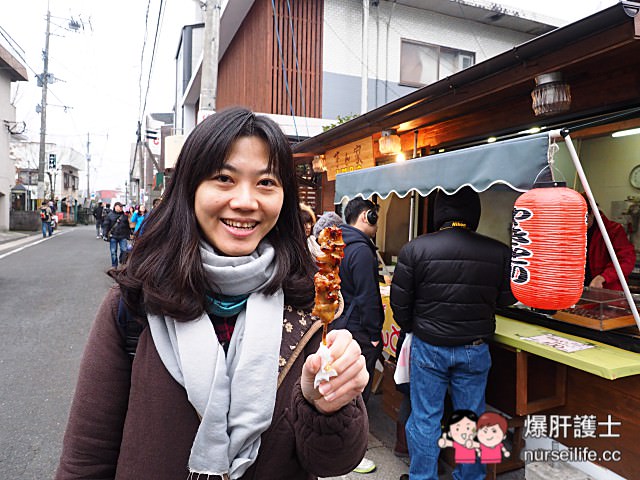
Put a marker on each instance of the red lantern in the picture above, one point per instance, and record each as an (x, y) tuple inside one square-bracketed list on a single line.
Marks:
[(548, 247)]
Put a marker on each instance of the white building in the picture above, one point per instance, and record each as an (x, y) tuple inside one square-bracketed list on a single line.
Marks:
[(62, 170), (10, 71)]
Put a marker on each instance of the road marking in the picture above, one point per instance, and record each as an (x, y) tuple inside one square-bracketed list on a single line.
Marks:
[(19, 249)]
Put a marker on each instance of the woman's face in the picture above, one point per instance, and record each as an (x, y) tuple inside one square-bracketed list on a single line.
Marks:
[(142, 209), (240, 204)]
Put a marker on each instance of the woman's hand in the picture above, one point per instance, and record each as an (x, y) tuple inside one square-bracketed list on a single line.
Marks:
[(352, 375), (597, 282)]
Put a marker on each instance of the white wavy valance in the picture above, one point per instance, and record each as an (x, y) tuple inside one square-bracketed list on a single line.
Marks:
[(515, 163)]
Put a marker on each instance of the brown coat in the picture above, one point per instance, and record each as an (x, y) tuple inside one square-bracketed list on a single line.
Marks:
[(135, 422)]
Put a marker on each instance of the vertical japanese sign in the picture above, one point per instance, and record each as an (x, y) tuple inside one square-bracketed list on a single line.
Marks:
[(350, 157)]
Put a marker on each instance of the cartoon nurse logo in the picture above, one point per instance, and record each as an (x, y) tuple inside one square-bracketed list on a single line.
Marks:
[(470, 436), (492, 430), (460, 435)]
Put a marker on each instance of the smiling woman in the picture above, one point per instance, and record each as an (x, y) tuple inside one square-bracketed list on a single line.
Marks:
[(241, 203), (224, 374)]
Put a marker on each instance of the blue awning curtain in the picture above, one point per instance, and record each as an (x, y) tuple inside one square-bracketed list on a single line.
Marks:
[(515, 163)]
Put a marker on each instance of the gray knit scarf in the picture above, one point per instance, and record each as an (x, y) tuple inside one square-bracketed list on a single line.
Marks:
[(234, 394)]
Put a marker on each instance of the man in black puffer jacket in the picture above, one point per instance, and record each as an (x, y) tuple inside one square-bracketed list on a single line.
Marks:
[(445, 289), (116, 227)]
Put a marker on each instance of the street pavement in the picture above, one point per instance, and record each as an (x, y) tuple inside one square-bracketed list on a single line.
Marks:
[(50, 290)]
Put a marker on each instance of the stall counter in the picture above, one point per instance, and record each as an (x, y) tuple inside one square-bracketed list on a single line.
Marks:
[(599, 359)]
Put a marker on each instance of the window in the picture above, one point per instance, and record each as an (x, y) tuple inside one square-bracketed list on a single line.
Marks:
[(28, 176), (422, 64)]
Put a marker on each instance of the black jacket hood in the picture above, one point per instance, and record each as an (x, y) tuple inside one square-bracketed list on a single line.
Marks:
[(462, 206)]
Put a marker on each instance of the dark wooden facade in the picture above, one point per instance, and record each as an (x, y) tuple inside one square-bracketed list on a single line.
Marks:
[(251, 72)]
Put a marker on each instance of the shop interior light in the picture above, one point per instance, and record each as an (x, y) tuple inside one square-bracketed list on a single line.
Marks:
[(389, 142), (400, 157), (624, 133), (531, 130), (318, 165), (551, 94)]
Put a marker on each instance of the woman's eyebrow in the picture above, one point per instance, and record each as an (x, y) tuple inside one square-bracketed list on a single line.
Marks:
[(233, 169)]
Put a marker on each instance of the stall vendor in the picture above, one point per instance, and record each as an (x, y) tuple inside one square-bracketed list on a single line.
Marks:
[(599, 269)]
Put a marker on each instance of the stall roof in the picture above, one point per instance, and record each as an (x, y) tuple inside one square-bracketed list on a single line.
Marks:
[(515, 163)]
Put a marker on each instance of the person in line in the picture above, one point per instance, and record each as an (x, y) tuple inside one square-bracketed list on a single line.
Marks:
[(156, 202), (363, 314), (309, 220), (445, 289), (222, 382), (137, 218), (117, 231), (97, 215), (105, 214), (327, 219), (599, 269), (45, 218)]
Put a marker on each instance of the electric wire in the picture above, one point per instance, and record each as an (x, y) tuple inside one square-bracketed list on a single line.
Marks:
[(284, 72), (295, 54), (357, 56), (144, 46), (153, 55)]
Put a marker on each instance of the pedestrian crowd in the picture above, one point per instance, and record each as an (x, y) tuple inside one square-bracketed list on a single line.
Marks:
[(119, 226)]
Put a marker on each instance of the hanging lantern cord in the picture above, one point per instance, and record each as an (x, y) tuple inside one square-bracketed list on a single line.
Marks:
[(551, 151)]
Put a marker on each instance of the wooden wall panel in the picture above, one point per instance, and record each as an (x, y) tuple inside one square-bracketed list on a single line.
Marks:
[(251, 72), (244, 73), (297, 86)]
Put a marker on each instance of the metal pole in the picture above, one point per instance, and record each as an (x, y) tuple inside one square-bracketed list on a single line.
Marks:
[(88, 169), (209, 80), (598, 217), (43, 111), (364, 94)]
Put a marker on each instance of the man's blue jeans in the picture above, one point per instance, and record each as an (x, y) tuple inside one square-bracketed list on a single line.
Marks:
[(113, 247), (463, 370), (46, 229)]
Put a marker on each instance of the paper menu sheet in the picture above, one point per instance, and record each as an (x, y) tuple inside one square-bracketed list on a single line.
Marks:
[(559, 343)]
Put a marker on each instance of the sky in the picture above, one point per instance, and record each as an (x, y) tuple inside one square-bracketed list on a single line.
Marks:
[(99, 68), (103, 70)]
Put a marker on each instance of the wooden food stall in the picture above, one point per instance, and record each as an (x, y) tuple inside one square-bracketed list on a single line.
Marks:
[(563, 367)]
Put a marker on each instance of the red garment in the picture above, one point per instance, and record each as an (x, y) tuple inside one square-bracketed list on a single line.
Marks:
[(599, 260)]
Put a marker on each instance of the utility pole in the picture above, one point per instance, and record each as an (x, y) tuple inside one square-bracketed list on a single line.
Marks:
[(88, 169), (209, 80), (43, 112)]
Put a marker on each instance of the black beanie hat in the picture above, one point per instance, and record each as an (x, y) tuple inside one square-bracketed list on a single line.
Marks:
[(463, 206)]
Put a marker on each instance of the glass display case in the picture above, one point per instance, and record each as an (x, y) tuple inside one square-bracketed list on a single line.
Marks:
[(600, 309)]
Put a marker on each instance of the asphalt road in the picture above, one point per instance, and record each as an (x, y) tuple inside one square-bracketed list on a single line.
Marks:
[(49, 292)]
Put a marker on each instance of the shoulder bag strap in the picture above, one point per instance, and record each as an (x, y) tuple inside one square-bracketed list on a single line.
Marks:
[(317, 325)]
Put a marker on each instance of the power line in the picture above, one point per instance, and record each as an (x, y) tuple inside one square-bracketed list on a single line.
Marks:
[(144, 45), (153, 55)]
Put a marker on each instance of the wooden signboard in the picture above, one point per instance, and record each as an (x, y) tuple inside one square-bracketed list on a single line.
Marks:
[(349, 158)]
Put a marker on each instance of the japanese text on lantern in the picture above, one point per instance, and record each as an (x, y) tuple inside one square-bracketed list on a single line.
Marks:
[(349, 158)]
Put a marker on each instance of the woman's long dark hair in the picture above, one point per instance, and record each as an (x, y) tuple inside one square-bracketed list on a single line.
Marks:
[(164, 273)]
